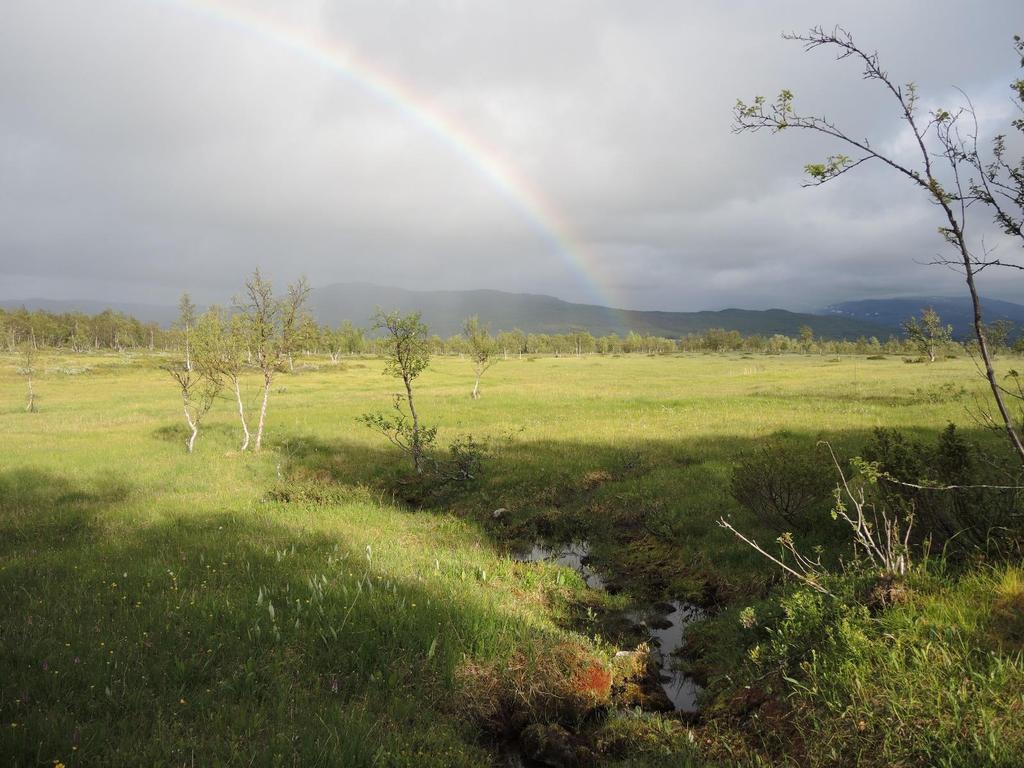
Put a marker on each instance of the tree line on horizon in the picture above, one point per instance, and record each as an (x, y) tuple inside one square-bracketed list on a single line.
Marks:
[(111, 330)]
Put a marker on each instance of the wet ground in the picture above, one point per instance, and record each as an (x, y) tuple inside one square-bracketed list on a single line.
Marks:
[(663, 623)]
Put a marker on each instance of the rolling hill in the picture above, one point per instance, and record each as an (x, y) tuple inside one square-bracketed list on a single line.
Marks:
[(955, 311), (445, 311)]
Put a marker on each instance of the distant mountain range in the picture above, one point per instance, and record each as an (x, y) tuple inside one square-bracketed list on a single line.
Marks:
[(444, 312), (955, 311)]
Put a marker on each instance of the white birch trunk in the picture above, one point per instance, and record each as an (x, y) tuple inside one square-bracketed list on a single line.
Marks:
[(241, 414), (192, 424), (263, 411)]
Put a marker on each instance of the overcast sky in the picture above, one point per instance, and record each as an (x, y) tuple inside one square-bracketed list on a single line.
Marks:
[(149, 147)]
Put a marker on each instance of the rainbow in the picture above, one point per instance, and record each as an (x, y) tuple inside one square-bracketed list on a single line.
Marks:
[(416, 108)]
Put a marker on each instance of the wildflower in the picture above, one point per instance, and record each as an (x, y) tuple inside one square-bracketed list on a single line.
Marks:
[(748, 618)]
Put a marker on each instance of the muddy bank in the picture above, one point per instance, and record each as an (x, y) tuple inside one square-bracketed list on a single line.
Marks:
[(660, 627)]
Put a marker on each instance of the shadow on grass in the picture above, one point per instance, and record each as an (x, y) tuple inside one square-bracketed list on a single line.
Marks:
[(179, 433), (649, 509), (263, 637), (39, 507)]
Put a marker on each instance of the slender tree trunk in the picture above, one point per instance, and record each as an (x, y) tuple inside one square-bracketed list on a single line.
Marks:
[(188, 352), (193, 425), (416, 447), (241, 413), (30, 407), (268, 379), (990, 373), (979, 327), (476, 388)]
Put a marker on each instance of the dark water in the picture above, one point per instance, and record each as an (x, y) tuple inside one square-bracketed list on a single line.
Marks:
[(571, 555), (681, 689)]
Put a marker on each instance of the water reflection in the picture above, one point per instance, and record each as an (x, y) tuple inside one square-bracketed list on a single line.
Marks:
[(666, 623)]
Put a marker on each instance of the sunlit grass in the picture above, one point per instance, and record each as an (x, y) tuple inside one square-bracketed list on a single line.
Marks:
[(136, 581)]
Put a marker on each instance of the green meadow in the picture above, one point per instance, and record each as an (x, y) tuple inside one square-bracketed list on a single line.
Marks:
[(316, 604)]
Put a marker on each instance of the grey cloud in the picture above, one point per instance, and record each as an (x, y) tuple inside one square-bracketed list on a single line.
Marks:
[(149, 147)]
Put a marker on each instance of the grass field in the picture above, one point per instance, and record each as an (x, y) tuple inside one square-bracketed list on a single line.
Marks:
[(312, 605)]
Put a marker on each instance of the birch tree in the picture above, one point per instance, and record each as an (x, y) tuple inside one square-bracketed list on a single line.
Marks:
[(199, 380), (28, 370), (187, 319), (272, 332), (354, 338), (481, 349), (928, 334), (228, 354), (406, 351), (948, 169)]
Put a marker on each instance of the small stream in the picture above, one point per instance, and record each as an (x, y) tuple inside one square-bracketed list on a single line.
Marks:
[(574, 555), (665, 623), (668, 633)]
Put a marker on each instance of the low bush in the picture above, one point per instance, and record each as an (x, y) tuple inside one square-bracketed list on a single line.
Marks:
[(785, 486), (943, 484)]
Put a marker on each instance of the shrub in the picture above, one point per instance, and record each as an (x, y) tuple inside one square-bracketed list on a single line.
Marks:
[(466, 458), (785, 485), (810, 624), (918, 476)]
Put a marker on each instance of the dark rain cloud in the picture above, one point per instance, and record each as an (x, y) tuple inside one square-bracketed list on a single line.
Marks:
[(153, 146)]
